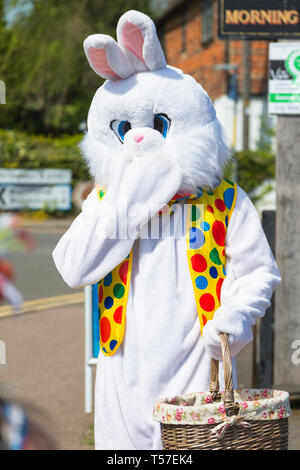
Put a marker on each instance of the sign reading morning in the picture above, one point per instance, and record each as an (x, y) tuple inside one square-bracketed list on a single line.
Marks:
[(259, 19)]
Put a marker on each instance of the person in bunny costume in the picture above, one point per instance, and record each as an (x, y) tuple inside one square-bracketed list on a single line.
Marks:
[(179, 253)]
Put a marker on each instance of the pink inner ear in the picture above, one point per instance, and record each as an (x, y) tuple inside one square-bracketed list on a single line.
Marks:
[(99, 61), (133, 40)]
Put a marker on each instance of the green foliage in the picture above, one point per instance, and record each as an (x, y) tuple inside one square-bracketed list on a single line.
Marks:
[(50, 85), (49, 82), (18, 150), (253, 168)]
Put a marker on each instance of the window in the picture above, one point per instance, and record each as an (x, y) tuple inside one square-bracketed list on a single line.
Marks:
[(207, 20)]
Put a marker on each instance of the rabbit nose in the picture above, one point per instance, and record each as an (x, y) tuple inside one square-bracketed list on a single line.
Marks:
[(138, 138)]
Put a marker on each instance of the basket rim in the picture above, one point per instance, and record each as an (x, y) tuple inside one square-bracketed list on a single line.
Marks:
[(199, 408)]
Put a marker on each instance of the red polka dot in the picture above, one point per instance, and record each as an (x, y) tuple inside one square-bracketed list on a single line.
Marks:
[(207, 302), (199, 263), (105, 329), (219, 232), (118, 314), (204, 320), (223, 252), (218, 287), (210, 209), (220, 205), (100, 294), (123, 271)]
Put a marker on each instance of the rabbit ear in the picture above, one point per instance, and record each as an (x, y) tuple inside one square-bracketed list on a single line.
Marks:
[(137, 36), (107, 58)]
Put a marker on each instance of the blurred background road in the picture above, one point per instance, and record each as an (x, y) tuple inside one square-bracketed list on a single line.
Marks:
[(36, 274), (45, 349)]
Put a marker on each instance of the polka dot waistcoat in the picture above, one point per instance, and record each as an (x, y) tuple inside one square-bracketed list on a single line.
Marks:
[(208, 218)]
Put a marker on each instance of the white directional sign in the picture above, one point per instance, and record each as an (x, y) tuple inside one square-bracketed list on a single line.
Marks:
[(35, 189), (17, 196), (43, 176)]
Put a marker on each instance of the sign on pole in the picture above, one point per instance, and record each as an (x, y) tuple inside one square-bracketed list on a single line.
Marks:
[(259, 19), (284, 78), (43, 176), (15, 197), (35, 189)]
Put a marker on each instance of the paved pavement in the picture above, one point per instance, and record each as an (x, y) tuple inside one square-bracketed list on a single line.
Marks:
[(45, 368), (36, 274), (45, 357)]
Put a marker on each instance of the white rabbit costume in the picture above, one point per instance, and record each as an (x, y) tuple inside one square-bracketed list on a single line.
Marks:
[(153, 133)]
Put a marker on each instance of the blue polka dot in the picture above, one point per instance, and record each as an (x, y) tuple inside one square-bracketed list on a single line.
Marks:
[(226, 220), (104, 350), (205, 226), (108, 302), (213, 272), (224, 271), (201, 282), (199, 192), (197, 238), (228, 197), (107, 280), (113, 344)]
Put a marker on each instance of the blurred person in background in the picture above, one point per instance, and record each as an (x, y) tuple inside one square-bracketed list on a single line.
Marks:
[(18, 432), (12, 238)]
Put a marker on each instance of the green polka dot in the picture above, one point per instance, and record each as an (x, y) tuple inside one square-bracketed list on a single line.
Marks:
[(228, 181), (195, 213), (214, 256), (119, 291), (101, 193), (210, 193)]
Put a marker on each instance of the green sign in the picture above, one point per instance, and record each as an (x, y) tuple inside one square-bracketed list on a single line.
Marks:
[(284, 78)]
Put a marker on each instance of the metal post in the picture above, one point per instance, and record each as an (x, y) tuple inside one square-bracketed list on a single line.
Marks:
[(88, 373), (266, 332), (246, 93), (287, 310), (233, 93)]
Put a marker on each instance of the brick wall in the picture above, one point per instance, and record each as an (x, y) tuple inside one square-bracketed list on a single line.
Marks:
[(181, 33)]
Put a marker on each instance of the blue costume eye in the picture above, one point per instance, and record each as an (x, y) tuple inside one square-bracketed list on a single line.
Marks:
[(162, 124), (120, 128)]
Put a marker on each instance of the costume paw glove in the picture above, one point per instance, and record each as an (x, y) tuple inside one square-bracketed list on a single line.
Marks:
[(234, 324)]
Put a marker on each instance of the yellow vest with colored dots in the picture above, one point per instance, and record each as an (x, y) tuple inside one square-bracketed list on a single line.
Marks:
[(208, 217)]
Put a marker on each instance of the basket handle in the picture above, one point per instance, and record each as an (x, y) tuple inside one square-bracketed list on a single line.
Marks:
[(231, 407)]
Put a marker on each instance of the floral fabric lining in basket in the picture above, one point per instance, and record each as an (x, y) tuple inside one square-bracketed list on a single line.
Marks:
[(199, 408)]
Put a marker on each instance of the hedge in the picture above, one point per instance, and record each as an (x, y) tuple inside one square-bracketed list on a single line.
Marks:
[(252, 168), (19, 150)]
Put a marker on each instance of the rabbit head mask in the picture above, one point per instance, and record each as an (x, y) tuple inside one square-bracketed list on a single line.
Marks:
[(147, 106)]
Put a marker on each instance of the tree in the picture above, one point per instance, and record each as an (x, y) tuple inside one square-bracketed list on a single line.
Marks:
[(49, 84)]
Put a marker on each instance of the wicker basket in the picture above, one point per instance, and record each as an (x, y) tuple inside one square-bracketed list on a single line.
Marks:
[(240, 420)]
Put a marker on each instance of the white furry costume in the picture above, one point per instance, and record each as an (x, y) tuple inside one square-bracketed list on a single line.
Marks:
[(162, 352)]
